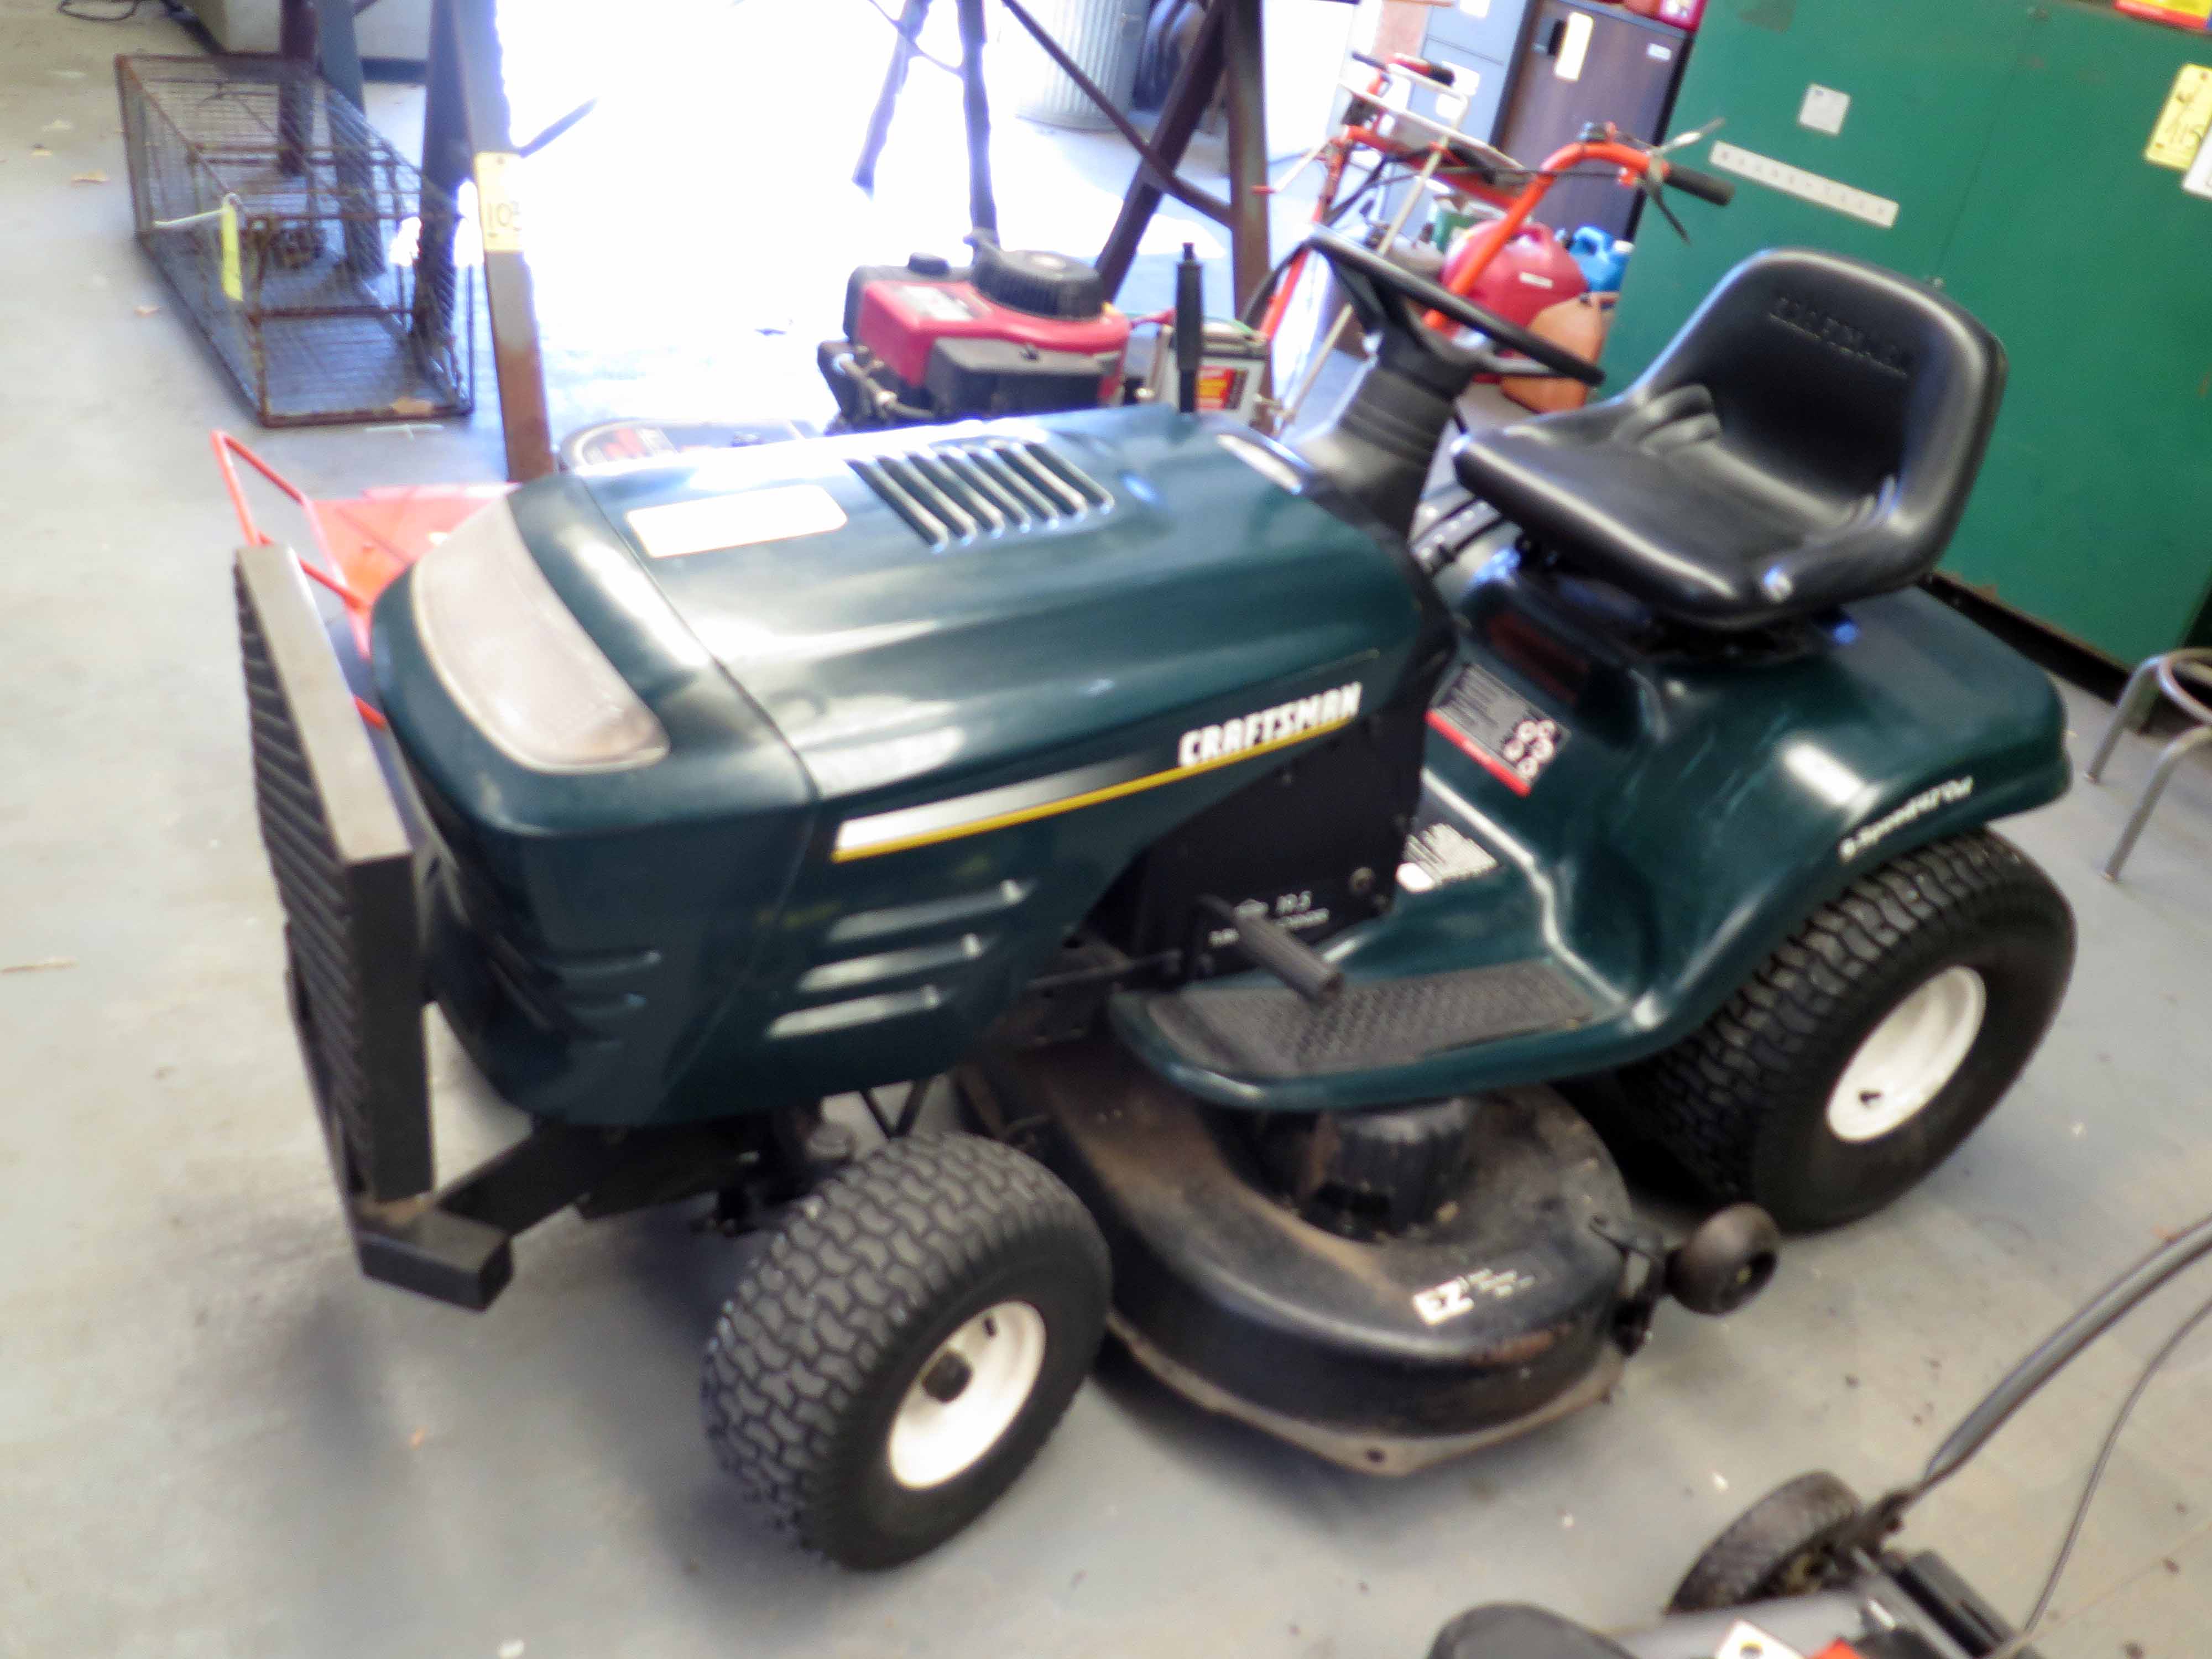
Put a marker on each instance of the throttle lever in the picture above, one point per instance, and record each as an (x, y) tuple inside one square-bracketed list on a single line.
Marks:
[(1276, 950)]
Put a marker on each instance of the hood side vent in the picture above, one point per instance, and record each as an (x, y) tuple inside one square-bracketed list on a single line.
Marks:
[(973, 488)]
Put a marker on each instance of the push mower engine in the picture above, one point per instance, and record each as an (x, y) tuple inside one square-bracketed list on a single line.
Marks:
[(1017, 332)]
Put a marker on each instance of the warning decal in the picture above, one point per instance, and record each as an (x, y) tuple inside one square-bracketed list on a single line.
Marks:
[(1496, 727), (1440, 851)]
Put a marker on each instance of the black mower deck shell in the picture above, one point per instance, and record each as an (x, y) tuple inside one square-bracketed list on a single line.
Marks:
[(1474, 1322)]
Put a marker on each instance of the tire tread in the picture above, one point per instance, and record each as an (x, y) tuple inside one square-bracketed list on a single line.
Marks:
[(1703, 1100), (844, 1277)]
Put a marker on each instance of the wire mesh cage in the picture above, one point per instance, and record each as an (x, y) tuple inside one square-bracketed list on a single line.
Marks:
[(343, 302)]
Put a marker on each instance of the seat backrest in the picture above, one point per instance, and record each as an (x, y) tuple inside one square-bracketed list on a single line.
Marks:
[(1869, 393)]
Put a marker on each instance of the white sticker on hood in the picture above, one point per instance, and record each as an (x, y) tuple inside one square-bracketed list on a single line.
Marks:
[(713, 523)]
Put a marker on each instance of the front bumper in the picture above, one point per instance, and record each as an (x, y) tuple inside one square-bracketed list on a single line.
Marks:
[(344, 872), (354, 971)]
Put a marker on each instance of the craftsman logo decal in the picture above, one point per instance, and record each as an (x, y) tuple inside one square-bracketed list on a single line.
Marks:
[(1496, 727), (1268, 727), (1455, 1297), (1943, 794), (1440, 851), (1198, 750)]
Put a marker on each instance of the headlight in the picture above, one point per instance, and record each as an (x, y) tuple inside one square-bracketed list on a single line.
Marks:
[(516, 660)]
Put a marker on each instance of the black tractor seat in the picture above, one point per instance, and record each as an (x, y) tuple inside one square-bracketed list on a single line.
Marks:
[(1810, 437), (1518, 1632)]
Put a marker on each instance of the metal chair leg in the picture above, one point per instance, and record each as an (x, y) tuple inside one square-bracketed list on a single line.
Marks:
[(2167, 761), (2134, 704)]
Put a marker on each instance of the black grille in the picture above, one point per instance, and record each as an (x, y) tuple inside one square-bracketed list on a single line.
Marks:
[(972, 489), (343, 874)]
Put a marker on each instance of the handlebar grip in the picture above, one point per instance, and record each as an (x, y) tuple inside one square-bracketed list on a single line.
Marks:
[(1706, 186), (1443, 74)]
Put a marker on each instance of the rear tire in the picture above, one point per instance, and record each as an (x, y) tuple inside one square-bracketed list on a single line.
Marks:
[(903, 1345), (1863, 1051), (1781, 1546)]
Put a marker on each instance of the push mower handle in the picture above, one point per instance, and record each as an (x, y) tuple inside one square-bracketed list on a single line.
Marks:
[(1427, 69), (2057, 1351), (1706, 186), (1381, 292)]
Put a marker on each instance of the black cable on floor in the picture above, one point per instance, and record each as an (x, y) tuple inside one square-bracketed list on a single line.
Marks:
[(2103, 1458)]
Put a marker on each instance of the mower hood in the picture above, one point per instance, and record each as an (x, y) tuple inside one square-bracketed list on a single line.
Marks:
[(944, 601)]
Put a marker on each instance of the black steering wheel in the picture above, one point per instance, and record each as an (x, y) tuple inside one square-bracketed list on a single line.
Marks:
[(1385, 296)]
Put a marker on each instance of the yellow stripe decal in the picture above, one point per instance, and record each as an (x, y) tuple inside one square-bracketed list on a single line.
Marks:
[(1089, 798)]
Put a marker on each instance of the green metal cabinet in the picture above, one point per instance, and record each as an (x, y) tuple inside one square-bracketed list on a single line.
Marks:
[(2009, 137)]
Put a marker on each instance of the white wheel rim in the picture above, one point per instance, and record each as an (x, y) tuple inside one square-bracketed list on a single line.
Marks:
[(995, 1359), (1905, 1061)]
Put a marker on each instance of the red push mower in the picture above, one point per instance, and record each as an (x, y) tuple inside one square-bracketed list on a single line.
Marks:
[(1507, 262), (1807, 1572)]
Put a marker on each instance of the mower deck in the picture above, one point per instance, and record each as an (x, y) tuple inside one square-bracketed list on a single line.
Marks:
[(1383, 1355)]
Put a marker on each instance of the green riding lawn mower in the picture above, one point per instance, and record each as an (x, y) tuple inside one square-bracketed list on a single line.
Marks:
[(1247, 875)]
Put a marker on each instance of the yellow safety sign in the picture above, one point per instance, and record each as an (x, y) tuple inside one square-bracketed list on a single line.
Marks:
[(2184, 121)]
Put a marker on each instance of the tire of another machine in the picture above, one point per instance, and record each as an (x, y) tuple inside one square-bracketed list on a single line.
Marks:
[(829, 1365), (1744, 1103), (1778, 1546)]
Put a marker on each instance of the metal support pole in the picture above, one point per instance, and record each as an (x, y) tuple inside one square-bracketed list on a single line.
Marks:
[(975, 106), (338, 52), (2129, 712), (339, 49), (2196, 738), (1148, 159), (295, 95), (444, 165), (1245, 84), (912, 16), (1195, 83), (467, 100)]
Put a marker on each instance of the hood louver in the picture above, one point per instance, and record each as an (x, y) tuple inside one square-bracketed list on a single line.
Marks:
[(973, 488)]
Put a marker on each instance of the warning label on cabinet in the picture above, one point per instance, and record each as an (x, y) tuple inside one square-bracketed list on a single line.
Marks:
[(1494, 725)]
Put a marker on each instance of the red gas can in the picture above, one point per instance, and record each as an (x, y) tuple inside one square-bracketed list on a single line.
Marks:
[(1532, 273)]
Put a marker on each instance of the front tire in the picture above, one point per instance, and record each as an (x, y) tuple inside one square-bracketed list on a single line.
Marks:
[(903, 1345), (1865, 1050)]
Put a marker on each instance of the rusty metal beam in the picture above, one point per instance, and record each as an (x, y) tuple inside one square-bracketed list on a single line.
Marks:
[(1195, 83), (464, 130)]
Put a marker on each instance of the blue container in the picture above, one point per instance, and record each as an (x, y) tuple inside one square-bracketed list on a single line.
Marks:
[(1602, 256)]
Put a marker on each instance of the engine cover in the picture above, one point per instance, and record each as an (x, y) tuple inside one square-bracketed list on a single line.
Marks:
[(1016, 333)]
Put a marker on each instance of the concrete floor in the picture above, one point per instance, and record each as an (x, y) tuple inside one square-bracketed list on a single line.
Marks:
[(217, 1440)]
